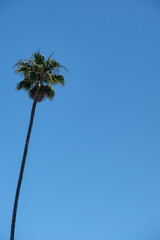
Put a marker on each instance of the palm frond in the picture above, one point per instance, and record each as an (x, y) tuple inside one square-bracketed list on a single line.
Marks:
[(24, 84), (58, 79)]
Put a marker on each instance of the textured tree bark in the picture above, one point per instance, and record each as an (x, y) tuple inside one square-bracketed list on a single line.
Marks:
[(22, 169)]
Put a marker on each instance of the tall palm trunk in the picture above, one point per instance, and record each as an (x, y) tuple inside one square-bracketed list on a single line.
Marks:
[(22, 169)]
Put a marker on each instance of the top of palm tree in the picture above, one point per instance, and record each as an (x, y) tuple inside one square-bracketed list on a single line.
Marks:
[(39, 75)]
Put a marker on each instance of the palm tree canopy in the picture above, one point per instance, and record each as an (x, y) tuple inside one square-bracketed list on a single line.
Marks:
[(39, 75)]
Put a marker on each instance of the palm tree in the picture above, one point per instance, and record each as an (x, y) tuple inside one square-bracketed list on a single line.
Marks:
[(39, 74)]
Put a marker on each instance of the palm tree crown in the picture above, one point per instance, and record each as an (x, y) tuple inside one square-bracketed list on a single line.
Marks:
[(39, 76)]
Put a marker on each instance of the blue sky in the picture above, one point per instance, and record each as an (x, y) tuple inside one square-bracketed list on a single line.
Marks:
[(92, 169)]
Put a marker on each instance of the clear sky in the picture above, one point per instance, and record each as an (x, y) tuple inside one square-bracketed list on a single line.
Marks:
[(93, 166)]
